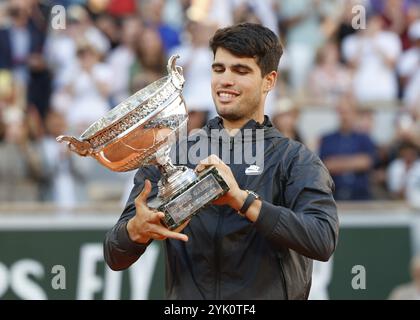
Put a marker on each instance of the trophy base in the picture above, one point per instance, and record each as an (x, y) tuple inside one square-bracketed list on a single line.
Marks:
[(208, 186)]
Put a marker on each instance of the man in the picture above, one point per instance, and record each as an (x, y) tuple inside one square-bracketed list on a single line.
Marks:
[(265, 251), (21, 48), (349, 156), (410, 290)]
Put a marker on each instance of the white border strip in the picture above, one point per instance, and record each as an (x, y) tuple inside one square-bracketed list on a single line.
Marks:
[(106, 221), (48, 222), (371, 219)]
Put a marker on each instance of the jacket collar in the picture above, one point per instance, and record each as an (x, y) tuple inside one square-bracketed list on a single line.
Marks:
[(215, 129), (217, 123)]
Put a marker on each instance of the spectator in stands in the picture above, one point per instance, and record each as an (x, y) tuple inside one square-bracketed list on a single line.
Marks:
[(195, 59), (63, 173), (407, 127), (152, 15), (409, 68), (121, 8), (122, 58), (3, 14), (12, 93), (108, 25), (349, 156), (40, 81), (372, 53), (21, 48), (345, 27), (394, 15), (301, 20), (16, 50), (88, 85), (60, 52), (20, 165), (82, 26), (61, 45), (150, 63), (285, 117), (244, 12), (365, 121), (257, 11), (401, 169), (330, 79), (411, 290)]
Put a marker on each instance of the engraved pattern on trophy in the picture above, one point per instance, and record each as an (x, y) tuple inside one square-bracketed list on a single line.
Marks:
[(133, 116)]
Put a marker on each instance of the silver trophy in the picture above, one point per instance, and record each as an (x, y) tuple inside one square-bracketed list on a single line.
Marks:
[(139, 132)]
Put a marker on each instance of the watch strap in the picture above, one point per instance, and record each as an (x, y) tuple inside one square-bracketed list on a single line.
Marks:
[(248, 201)]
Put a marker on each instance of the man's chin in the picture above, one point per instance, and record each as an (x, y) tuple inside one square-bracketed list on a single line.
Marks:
[(228, 114)]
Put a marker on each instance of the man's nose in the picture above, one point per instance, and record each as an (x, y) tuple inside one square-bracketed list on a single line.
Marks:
[(227, 79)]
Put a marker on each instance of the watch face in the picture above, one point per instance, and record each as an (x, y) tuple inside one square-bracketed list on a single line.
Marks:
[(255, 194)]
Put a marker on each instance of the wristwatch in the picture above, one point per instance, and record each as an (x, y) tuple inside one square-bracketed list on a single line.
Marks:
[(252, 196)]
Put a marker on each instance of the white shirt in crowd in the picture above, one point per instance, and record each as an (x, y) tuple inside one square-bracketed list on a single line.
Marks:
[(120, 61), (409, 67), (87, 103), (60, 51), (61, 168), (413, 186), (400, 178), (373, 79)]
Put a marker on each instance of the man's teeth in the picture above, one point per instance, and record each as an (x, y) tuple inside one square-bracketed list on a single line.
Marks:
[(226, 95)]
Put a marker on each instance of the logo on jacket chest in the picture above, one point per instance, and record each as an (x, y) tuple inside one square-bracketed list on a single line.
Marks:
[(253, 170)]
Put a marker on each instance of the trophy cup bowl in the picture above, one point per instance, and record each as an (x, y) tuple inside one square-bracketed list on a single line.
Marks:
[(139, 132)]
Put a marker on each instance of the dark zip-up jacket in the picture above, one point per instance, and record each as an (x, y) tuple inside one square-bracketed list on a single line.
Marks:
[(229, 257)]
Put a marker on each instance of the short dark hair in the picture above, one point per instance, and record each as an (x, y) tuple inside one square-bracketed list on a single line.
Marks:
[(250, 40), (407, 144)]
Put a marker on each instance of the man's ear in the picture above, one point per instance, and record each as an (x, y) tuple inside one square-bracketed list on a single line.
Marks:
[(270, 81)]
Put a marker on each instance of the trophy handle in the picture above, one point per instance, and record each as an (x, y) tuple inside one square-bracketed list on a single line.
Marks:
[(82, 148), (175, 72)]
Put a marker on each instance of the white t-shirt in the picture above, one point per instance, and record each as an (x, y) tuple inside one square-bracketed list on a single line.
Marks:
[(120, 60), (409, 66), (373, 80), (397, 174), (413, 186), (88, 104), (63, 189), (60, 51)]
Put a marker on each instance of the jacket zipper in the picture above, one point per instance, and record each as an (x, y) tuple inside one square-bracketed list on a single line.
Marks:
[(217, 253), (218, 238), (283, 279)]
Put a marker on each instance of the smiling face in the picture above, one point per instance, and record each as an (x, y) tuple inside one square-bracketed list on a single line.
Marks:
[(238, 88)]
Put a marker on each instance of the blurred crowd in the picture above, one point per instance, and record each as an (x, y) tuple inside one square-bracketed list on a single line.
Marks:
[(58, 74)]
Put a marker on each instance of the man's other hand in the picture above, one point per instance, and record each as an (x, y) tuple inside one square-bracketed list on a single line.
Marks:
[(146, 224)]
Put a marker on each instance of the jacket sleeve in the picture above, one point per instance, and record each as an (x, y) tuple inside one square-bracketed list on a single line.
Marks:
[(120, 251), (308, 221)]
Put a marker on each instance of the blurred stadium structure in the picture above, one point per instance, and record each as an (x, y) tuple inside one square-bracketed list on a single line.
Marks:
[(349, 88)]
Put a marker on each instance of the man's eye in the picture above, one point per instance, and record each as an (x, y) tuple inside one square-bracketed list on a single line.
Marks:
[(218, 70), (242, 71)]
